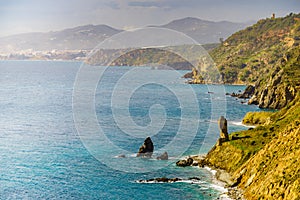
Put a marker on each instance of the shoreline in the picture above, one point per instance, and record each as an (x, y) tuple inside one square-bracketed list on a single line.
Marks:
[(221, 178)]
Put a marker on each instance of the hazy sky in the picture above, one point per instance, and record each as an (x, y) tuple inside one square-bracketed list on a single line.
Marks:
[(17, 16)]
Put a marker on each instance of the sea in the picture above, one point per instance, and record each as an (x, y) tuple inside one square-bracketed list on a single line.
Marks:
[(72, 131)]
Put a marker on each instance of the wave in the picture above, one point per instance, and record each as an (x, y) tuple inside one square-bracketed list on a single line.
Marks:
[(240, 123), (218, 185)]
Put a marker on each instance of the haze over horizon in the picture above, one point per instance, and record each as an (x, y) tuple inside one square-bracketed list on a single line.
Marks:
[(21, 16)]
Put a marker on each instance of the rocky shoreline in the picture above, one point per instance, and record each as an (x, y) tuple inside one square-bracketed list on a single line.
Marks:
[(221, 177)]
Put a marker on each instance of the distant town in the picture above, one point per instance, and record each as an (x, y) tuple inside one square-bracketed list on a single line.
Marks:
[(76, 55)]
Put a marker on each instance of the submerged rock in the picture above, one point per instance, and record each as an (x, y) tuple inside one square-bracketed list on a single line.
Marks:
[(146, 150), (163, 156)]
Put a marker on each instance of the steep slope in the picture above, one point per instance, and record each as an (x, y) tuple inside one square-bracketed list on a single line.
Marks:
[(258, 49), (264, 161), (265, 55)]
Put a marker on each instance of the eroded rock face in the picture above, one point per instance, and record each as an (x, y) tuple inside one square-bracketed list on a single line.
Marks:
[(163, 156), (146, 150), (223, 128), (275, 93), (249, 91)]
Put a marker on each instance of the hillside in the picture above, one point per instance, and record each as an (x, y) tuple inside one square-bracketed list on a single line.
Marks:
[(264, 161), (153, 56), (258, 49), (265, 55)]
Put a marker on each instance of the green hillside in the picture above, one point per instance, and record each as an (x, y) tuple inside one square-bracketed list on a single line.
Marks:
[(264, 161), (258, 49)]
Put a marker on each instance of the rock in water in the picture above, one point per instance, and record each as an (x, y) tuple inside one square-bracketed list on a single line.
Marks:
[(163, 156), (184, 163), (224, 132), (146, 150)]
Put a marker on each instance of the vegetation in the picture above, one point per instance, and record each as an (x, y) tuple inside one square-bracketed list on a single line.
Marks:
[(184, 57), (264, 161), (258, 49), (257, 118)]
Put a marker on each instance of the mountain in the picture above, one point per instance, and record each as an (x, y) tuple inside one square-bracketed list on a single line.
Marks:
[(78, 38), (87, 37), (203, 31)]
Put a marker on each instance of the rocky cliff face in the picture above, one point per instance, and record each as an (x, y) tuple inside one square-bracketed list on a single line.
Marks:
[(275, 94)]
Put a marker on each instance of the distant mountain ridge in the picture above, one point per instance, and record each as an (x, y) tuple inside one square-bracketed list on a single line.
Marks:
[(204, 31), (88, 36), (81, 37)]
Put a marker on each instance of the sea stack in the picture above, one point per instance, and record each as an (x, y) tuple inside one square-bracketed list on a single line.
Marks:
[(223, 130), (146, 150)]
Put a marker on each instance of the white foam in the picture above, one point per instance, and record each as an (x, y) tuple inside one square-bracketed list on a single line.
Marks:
[(241, 124), (218, 185), (211, 170), (219, 188)]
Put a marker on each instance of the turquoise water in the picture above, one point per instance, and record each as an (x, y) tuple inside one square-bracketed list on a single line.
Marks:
[(43, 156)]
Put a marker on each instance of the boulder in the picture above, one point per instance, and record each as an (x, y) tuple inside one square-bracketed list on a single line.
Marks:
[(163, 156), (224, 130), (146, 150), (184, 163)]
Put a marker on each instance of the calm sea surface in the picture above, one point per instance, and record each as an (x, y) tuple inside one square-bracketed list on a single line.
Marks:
[(50, 147)]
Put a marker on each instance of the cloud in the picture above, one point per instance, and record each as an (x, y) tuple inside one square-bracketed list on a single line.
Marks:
[(18, 16), (164, 4)]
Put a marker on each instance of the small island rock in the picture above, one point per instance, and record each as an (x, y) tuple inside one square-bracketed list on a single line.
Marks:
[(146, 150)]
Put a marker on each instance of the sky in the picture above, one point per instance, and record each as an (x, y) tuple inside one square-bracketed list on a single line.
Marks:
[(20, 16)]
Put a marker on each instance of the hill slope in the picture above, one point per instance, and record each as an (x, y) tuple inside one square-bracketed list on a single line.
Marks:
[(258, 49), (265, 55), (264, 161)]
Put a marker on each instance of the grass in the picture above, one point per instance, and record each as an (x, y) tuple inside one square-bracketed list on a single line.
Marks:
[(257, 118)]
